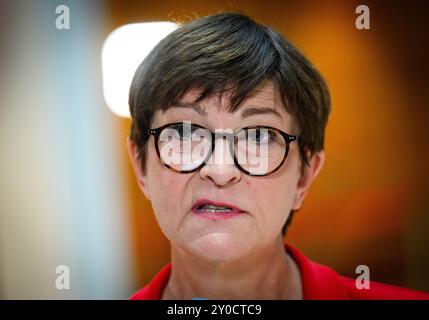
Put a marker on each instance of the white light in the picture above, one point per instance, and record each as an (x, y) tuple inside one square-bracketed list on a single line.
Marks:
[(123, 51)]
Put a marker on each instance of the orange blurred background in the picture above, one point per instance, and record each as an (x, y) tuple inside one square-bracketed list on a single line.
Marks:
[(369, 205)]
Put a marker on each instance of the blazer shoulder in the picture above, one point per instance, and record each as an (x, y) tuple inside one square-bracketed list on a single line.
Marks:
[(140, 294), (381, 291)]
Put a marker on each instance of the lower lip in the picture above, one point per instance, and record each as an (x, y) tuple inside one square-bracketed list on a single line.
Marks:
[(217, 215)]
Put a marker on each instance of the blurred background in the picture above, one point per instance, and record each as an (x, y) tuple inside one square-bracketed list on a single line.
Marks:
[(67, 192)]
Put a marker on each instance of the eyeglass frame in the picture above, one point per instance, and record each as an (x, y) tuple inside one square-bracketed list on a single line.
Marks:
[(156, 132)]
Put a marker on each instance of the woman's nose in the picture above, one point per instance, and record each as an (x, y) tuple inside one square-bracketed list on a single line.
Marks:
[(220, 168)]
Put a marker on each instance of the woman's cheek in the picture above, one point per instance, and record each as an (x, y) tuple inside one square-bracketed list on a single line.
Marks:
[(273, 203)]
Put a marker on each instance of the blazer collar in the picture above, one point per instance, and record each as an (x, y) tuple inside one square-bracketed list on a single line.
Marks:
[(318, 281)]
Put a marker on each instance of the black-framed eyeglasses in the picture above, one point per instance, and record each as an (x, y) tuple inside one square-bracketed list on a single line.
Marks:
[(185, 147)]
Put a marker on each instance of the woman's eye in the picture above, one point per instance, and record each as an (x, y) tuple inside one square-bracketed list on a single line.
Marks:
[(261, 136), (184, 131), (185, 134)]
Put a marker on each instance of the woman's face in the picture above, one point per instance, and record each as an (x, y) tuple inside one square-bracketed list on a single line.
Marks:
[(266, 201)]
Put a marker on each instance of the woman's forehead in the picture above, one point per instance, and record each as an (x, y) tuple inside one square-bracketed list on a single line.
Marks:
[(265, 93), (264, 97), (263, 102)]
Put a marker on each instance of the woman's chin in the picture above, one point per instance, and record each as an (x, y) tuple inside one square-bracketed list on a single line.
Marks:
[(221, 246)]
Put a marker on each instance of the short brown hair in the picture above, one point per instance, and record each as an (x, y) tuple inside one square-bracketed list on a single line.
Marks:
[(229, 52)]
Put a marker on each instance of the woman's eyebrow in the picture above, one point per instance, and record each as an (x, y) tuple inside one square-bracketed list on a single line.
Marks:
[(189, 105), (258, 111), (246, 112)]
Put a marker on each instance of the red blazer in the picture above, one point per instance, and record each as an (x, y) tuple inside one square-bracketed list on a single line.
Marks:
[(319, 283)]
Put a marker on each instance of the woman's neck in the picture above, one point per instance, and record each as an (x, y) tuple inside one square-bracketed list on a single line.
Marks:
[(269, 274)]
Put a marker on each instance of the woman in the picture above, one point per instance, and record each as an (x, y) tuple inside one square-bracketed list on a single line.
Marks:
[(228, 122)]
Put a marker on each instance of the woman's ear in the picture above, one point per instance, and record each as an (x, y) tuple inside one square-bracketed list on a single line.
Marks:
[(306, 179), (137, 167)]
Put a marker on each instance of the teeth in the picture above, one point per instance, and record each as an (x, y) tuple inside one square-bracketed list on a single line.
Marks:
[(212, 208)]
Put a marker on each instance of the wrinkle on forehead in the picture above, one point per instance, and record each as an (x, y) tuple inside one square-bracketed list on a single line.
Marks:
[(266, 95)]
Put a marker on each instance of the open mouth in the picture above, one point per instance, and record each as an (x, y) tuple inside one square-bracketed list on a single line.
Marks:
[(213, 208)]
